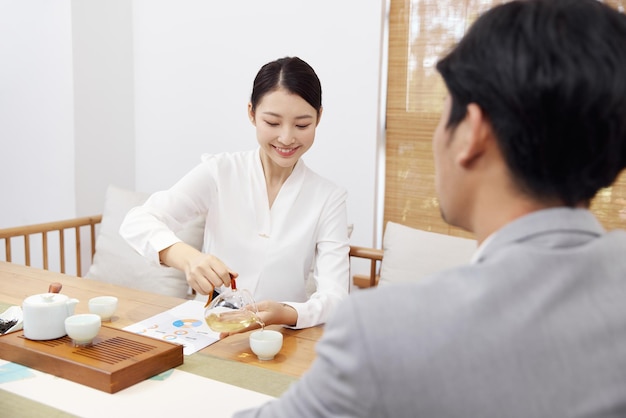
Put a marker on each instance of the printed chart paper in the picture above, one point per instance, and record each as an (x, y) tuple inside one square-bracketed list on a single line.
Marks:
[(183, 324)]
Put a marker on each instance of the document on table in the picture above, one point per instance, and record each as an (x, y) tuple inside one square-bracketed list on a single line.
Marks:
[(183, 324)]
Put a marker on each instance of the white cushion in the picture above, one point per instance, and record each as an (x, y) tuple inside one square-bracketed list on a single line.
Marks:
[(410, 254), (117, 262)]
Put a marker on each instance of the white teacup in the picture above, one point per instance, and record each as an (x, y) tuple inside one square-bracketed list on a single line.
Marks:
[(104, 306), (82, 328), (266, 343)]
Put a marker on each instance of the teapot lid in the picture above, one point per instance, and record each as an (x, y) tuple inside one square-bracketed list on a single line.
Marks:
[(46, 299)]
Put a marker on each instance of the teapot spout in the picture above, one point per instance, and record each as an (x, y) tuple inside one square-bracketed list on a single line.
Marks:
[(71, 304)]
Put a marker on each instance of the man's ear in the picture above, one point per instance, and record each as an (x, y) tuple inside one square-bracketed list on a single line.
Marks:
[(251, 114), (477, 131)]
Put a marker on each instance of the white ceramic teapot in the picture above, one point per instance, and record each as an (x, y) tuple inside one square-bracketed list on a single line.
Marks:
[(44, 315)]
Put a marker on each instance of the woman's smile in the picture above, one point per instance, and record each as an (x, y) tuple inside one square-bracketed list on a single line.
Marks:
[(286, 152)]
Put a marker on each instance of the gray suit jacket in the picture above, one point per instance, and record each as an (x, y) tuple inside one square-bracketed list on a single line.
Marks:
[(535, 328)]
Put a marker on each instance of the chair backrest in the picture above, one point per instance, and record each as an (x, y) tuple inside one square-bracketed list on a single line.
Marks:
[(20, 238)]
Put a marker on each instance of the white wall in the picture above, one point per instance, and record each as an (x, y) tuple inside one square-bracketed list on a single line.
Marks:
[(158, 82), (36, 112), (103, 99)]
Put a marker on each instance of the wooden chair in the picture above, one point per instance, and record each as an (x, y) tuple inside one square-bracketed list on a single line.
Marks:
[(90, 223), (8, 235)]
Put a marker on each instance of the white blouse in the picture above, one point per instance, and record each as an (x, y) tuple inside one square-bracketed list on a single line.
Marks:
[(272, 250)]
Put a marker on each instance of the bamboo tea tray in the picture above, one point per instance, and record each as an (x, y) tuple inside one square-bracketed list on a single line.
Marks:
[(116, 360)]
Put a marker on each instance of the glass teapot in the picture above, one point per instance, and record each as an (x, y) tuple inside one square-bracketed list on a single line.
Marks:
[(233, 310)]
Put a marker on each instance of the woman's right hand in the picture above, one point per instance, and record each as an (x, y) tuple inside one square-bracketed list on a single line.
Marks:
[(204, 272)]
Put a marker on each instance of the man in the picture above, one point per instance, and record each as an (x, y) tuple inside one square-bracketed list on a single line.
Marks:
[(535, 326)]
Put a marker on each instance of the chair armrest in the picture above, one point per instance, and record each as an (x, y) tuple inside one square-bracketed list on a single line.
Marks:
[(366, 252), (375, 255)]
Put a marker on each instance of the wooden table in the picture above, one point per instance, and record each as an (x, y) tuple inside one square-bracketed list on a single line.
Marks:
[(229, 360)]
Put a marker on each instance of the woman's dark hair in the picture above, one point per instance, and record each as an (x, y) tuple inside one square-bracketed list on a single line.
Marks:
[(551, 77), (291, 74)]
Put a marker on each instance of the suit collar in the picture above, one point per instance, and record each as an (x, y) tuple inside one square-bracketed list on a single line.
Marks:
[(551, 228)]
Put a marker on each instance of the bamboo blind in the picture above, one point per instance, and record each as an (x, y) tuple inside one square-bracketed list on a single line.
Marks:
[(419, 32)]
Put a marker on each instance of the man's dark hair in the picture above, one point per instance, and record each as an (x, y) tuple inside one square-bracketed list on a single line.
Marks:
[(550, 75)]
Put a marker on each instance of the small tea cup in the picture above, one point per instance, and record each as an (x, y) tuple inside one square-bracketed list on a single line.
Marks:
[(266, 343), (83, 328), (104, 306)]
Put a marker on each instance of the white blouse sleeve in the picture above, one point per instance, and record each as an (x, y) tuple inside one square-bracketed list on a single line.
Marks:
[(331, 267), (152, 227)]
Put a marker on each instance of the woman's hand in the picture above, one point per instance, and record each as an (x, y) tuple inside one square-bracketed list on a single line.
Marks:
[(271, 313), (204, 272)]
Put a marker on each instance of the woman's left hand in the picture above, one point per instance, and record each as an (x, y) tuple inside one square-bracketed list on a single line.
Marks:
[(270, 313)]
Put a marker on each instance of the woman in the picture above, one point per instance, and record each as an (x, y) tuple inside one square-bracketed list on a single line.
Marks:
[(269, 218)]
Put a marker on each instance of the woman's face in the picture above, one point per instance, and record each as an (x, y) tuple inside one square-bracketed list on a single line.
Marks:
[(285, 126)]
